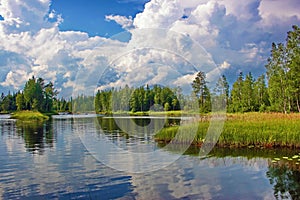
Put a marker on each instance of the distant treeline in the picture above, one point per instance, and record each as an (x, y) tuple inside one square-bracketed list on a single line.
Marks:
[(36, 95), (278, 91)]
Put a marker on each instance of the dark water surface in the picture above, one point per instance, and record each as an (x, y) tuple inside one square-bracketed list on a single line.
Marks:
[(49, 161)]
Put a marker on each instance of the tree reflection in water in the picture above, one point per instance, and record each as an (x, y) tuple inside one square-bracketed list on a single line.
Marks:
[(285, 181), (284, 176), (37, 135), (142, 128)]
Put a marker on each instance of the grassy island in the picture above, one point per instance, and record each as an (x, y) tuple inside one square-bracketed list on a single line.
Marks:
[(29, 116)]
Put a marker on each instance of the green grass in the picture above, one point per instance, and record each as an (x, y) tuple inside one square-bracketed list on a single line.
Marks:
[(267, 130), (29, 116), (172, 113), (157, 113)]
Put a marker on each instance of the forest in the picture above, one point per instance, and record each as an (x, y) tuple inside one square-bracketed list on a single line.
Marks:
[(278, 90)]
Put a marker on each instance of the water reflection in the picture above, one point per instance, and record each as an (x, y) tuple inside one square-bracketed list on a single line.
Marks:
[(122, 144), (58, 166), (139, 129), (37, 135), (286, 182), (110, 124), (64, 171)]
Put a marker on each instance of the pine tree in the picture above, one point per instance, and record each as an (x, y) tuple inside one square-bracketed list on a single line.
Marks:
[(261, 97), (221, 93), (236, 95), (293, 61), (20, 102), (279, 89), (247, 93), (202, 92)]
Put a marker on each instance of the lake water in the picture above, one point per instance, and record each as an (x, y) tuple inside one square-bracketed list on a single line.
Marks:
[(51, 161)]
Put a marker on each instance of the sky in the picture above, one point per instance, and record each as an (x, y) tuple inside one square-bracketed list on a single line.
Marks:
[(89, 16), (86, 44)]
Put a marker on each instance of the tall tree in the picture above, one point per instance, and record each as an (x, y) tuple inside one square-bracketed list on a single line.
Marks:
[(277, 69), (6, 103), (49, 96), (39, 94), (201, 90), (247, 93), (29, 92), (97, 102), (221, 92), (293, 61), (236, 95), (20, 101), (261, 97)]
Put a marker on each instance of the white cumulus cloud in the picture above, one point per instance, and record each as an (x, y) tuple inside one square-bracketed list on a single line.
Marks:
[(126, 23), (238, 32), (170, 40)]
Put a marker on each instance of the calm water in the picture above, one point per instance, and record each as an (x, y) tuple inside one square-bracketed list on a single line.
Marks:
[(49, 161)]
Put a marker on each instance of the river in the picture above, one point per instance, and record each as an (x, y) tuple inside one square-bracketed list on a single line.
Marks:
[(51, 160)]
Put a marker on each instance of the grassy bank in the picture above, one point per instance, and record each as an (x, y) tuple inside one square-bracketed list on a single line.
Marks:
[(268, 130), (29, 116), (176, 113), (158, 113)]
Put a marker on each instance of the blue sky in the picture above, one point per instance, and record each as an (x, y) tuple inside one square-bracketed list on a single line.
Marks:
[(69, 42), (89, 16)]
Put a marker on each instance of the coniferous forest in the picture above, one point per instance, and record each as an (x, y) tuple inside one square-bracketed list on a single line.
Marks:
[(276, 91)]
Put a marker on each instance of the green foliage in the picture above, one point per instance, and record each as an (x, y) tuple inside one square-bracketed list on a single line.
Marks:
[(246, 130), (29, 115), (37, 96), (236, 102), (8, 103), (261, 96), (283, 71), (293, 58), (167, 106), (202, 92), (247, 94), (221, 93), (83, 104), (20, 102), (140, 99)]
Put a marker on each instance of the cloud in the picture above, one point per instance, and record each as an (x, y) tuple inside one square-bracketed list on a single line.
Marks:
[(16, 78), (287, 8), (126, 23), (20, 16), (157, 56), (34, 45), (247, 10), (240, 33), (13, 67), (225, 65), (169, 40), (158, 14)]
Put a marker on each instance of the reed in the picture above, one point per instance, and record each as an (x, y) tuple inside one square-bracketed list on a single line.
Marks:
[(263, 130)]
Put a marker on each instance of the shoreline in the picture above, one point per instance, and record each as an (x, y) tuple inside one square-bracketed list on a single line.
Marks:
[(249, 130), (240, 130)]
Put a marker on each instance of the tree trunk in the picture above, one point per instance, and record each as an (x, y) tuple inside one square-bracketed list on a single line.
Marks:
[(284, 106)]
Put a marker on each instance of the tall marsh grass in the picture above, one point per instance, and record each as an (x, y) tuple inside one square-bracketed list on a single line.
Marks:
[(246, 130)]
